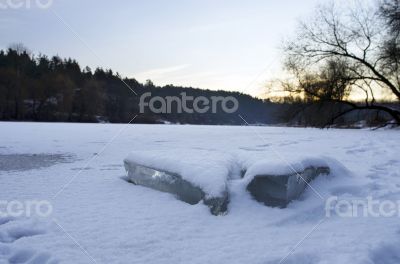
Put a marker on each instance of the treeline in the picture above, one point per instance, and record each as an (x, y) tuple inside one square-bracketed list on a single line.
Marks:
[(295, 111), (39, 88)]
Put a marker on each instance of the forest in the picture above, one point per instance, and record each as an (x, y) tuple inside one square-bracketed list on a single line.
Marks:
[(42, 89), (39, 88)]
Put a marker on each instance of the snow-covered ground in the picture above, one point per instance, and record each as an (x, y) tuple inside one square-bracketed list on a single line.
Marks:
[(99, 218)]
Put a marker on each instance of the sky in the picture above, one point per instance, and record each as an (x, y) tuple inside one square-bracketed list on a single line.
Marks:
[(210, 44)]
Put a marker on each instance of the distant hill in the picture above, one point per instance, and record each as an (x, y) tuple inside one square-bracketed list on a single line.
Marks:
[(255, 111), (38, 88)]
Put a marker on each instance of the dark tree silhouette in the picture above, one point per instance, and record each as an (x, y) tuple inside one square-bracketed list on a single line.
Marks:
[(40, 88), (341, 51)]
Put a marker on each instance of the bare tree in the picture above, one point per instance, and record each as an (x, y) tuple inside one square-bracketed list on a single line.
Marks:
[(342, 52), (390, 11)]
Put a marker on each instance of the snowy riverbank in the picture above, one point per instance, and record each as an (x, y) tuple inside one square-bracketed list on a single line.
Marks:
[(117, 222)]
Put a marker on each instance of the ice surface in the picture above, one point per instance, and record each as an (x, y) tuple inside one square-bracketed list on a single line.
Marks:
[(22, 162)]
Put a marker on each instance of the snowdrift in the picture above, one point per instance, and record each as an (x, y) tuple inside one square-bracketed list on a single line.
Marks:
[(196, 177)]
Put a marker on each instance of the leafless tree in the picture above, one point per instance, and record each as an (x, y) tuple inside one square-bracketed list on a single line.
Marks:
[(341, 52), (390, 11)]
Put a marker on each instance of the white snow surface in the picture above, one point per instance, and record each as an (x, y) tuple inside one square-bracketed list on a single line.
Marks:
[(100, 218), (285, 167)]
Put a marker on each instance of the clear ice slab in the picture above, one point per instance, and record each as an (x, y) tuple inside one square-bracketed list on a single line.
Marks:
[(280, 190), (173, 183)]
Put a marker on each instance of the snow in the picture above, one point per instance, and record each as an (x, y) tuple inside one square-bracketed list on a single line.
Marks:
[(266, 167), (117, 222)]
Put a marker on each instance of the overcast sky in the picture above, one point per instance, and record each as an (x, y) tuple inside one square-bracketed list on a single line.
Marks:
[(231, 45)]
